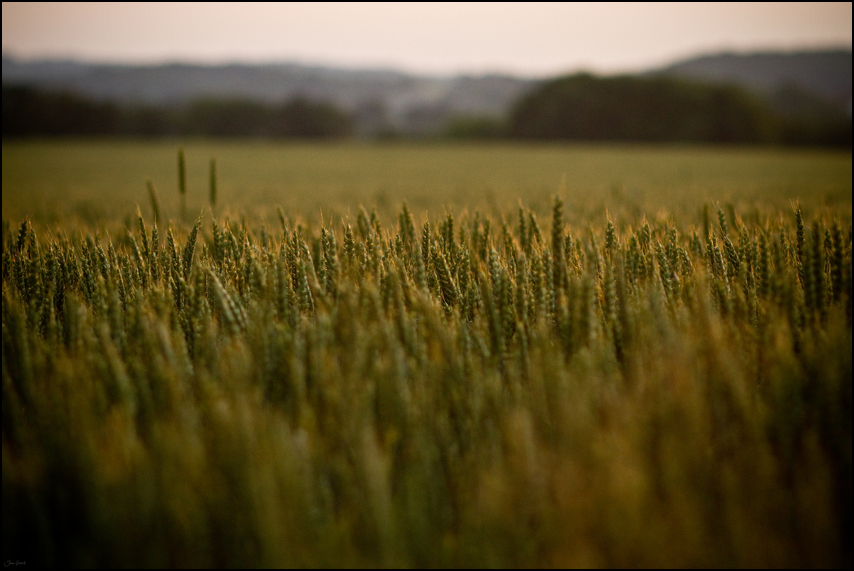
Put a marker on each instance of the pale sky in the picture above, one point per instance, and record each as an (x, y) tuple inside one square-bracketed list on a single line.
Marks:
[(532, 39)]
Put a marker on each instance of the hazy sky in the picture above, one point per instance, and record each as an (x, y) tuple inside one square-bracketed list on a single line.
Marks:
[(528, 39)]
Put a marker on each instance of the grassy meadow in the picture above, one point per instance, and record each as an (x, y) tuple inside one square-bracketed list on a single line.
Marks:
[(426, 356)]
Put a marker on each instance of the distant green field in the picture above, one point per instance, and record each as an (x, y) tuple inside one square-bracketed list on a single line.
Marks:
[(48, 181)]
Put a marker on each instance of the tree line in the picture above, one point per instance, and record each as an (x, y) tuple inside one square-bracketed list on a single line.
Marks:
[(583, 107), (31, 112), (579, 107)]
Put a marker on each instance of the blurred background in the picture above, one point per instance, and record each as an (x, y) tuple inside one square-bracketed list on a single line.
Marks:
[(759, 73)]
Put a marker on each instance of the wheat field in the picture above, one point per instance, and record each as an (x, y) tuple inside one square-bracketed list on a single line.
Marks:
[(497, 382)]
